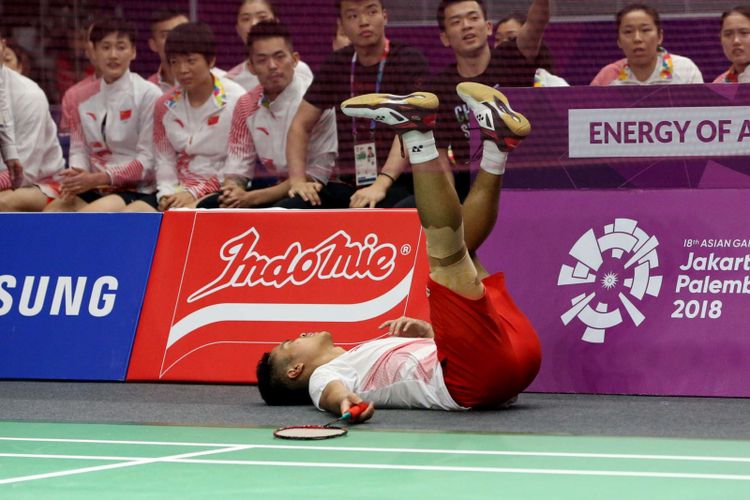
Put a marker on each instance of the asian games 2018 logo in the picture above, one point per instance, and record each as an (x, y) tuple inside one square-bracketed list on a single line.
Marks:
[(613, 273)]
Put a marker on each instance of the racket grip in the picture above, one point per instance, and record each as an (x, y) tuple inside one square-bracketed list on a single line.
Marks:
[(355, 410)]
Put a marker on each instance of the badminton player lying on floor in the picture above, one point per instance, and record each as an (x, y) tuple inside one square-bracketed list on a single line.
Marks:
[(480, 350)]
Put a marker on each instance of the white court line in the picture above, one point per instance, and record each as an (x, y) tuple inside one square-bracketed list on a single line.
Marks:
[(502, 470), (184, 459), (67, 457), (428, 451), (132, 463)]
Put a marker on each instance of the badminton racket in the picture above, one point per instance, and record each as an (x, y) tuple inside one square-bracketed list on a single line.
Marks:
[(326, 431)]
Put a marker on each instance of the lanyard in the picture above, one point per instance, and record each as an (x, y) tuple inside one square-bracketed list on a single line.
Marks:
[(378, 81)]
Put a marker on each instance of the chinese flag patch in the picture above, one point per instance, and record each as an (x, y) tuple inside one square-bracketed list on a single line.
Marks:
[(125, 114), (213, 120)]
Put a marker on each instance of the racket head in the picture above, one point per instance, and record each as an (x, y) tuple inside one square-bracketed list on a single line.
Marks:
[(309, 432)]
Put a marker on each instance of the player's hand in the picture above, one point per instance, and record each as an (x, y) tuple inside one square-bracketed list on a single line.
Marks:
[(232, 196), (352, 399), (306, 190), (75, 181), (182, 199), (367, 197), (409, 327), (15, 170)]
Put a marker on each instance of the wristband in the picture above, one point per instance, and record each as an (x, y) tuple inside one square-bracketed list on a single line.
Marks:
[(389, 176)]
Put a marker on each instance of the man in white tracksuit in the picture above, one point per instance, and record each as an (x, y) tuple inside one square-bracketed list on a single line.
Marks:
[(261, 120)]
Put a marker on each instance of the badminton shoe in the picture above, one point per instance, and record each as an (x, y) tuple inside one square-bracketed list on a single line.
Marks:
[(497, 121), (401, 112)]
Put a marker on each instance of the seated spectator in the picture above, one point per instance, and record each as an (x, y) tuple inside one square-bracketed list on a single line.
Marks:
[(639, 35), (28, 138), (507, 30), (17, 58), (8, 149), (111, 159), (191, 122), (372, 63), (71, 99), (250, 13), (162, 22), (261, 123), (735, 40)]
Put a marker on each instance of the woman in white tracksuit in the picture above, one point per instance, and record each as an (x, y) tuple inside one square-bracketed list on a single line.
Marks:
[(191, 122)]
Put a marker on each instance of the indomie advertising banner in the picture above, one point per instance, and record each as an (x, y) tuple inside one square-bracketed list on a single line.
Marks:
[(227, 286), (71, 289), (633, 292)]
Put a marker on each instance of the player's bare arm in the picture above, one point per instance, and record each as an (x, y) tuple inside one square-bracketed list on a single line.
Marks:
[(337, 399), (296, 153)]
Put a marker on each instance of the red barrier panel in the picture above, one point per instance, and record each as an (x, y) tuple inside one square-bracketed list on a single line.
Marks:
[(226, 286)]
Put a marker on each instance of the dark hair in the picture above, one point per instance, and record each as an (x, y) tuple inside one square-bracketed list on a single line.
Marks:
[(276, 391), (23, 56), (652, 12), (268, 29), (337, 4), (269, 3), (109, 25), (161, 15), (191, 38), (444, 4), (740, 9)]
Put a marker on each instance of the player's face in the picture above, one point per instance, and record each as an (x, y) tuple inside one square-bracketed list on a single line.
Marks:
[(305, 348), (466, 29), (639, 38), (507, 31), (363, 21), (250, 14), (159, 32), (113, 55), (273, 63), (735, 39), (192, 71)]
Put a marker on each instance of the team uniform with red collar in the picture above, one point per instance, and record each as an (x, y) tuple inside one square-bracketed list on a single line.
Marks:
[(190, 144), (260, 129), (36, 143), (112, 132)]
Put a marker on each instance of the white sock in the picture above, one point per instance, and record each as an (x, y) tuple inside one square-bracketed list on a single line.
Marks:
[(420, 146), (493, 160)]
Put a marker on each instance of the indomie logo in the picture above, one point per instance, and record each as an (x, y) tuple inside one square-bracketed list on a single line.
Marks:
[(614, 267), (335, 257)]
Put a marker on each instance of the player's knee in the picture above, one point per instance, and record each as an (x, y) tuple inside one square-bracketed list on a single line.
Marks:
[(445, 242)]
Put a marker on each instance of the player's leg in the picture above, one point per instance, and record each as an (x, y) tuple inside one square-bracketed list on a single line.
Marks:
[(502, 129), (70, 204), (436, 199), (26, 199), (109, 203)]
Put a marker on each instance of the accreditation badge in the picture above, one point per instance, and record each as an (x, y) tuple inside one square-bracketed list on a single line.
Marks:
[(365, 163)]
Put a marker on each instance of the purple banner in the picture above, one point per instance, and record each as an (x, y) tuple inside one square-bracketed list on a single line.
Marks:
[(664, 136), (632, 292)]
